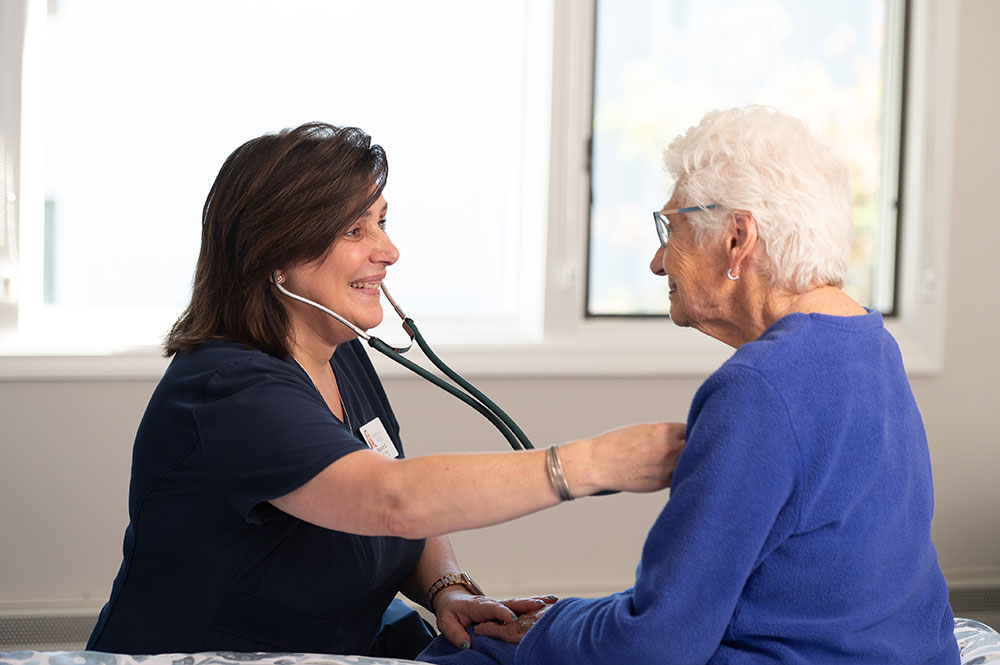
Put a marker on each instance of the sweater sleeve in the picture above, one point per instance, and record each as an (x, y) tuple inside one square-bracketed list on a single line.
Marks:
[(732, 501)]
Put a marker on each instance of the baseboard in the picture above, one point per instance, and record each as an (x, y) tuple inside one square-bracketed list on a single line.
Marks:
[(980, 602), (40, 630)]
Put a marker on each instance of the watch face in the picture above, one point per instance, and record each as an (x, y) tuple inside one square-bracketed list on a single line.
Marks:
[(471, 584)]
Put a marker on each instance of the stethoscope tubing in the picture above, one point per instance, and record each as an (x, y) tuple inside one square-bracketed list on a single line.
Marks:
[(487, 408), (472, 396), (519, 435)]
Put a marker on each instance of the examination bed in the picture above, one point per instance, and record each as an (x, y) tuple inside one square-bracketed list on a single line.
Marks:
[(977, 642)]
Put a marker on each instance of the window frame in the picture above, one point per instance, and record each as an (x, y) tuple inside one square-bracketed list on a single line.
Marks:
[(572, 344), (894, 61)]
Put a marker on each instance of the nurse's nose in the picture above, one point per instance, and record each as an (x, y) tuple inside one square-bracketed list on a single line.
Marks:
[(385, 251)]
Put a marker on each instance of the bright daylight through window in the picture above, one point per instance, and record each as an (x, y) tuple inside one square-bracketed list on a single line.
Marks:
[(130, 108), (661, 65)]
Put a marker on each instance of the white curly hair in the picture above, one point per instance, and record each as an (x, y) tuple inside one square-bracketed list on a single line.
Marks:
[(764, 161)]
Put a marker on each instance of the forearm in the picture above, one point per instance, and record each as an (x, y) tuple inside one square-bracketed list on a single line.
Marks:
[(424, 497), (366, 494), (437, 560), (445, 493)]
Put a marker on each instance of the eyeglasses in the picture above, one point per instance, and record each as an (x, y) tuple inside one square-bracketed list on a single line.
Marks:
[(663, 224)]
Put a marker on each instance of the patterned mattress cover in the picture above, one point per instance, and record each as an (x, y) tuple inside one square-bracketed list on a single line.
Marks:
[(978, 643), (206, 658)]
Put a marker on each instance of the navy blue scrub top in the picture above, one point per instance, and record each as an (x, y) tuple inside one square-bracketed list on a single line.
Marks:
[(209, 564)]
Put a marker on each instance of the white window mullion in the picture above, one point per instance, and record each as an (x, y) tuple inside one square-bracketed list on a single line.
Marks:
[(13, 18), (569, 178), (884, 258)]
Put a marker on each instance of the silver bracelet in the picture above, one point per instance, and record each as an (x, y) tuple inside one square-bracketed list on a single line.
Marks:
[(556, 475)]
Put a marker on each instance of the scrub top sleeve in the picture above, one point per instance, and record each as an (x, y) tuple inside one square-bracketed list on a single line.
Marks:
[(265, 431)]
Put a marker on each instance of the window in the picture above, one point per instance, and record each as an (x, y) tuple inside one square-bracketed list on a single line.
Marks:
[(129, 109), (485, 110), (661, 64)]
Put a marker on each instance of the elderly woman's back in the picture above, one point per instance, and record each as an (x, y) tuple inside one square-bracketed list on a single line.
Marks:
[(798, 525), (797, 529)]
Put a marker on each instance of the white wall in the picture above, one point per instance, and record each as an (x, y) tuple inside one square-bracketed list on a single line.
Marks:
[(65, 446)]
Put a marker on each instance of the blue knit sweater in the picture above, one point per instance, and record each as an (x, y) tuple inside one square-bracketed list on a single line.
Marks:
[(798, 525)]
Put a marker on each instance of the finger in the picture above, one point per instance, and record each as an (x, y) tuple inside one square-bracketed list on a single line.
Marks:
[(454, 632), (546, 600), (486, 609), (511, 632), (522, 605)]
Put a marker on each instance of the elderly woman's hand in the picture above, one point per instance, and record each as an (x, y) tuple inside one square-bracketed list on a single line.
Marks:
[(456, 608), (513, 631)]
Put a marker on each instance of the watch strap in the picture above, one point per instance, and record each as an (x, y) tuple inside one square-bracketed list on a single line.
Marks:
[(452, 579)]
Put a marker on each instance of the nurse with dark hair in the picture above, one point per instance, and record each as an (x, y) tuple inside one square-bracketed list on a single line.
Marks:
[(260, 519)]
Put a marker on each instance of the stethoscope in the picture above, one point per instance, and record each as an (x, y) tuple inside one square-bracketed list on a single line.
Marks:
[(471, 396)]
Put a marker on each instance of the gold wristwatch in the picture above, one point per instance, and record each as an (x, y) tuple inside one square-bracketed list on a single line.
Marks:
[(451, 580)]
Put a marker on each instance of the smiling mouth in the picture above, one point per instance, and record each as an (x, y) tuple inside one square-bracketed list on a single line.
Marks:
[(364, 285)]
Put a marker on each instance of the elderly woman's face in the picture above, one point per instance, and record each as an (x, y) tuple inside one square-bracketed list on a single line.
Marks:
[(693, 271)]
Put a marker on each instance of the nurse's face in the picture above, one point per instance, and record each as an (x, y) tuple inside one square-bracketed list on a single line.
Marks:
[(346, 279)]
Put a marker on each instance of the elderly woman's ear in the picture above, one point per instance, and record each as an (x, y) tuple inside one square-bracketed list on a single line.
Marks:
[(741, 239)]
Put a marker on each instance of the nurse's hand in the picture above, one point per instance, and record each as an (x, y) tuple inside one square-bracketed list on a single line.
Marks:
[(637, 458), (456, 608)]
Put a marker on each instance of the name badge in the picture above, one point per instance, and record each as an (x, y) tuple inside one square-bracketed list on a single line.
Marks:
[(378, 439)]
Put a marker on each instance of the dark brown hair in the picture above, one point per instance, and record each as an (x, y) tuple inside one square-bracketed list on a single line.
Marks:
[(279, 200)]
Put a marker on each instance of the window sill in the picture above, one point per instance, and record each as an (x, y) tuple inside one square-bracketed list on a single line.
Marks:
[(601, 349)]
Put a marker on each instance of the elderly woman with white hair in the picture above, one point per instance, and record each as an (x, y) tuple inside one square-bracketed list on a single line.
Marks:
[(798, 524)]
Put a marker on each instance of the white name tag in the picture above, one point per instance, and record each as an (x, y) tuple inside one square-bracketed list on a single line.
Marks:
[(378, 439)]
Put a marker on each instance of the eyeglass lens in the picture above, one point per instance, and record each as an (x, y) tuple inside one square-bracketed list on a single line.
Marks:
[(662, 228)]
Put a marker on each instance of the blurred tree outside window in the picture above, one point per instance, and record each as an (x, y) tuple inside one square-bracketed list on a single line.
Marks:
[(660, 65)]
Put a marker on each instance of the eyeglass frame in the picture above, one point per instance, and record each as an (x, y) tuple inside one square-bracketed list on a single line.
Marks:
[(663, 224)]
